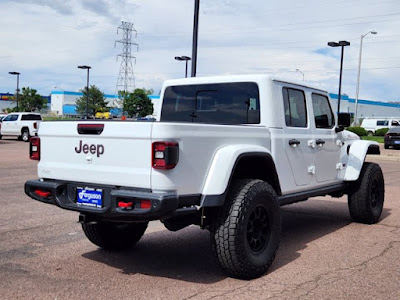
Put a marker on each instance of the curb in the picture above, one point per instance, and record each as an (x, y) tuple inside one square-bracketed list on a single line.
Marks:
[(383, 157)]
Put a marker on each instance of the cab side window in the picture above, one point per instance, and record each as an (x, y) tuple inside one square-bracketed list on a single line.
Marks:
[(322, 111), (294, 102), (11, 118)]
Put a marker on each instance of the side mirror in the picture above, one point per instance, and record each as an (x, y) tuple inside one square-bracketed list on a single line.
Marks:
[(343, 121)]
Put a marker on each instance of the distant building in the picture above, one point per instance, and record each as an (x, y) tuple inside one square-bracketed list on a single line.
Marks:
[(366, 108), (63, 103), (7, 100)]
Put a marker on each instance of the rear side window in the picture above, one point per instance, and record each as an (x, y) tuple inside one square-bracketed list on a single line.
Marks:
[(322, 111), (294, 103), (31, 117), (382, 123), (222, 103)]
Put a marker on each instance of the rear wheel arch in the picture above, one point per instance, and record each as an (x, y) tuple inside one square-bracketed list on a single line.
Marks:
[(25, 128), (256, 166)]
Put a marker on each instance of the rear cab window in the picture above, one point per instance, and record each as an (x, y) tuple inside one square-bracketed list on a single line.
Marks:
[(31, 117), (221, 103)]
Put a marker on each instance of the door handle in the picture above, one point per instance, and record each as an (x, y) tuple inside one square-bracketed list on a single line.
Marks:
[(320, 142), (294, 143)]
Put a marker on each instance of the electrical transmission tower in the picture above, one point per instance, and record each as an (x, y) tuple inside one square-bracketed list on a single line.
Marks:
[(126, 79)]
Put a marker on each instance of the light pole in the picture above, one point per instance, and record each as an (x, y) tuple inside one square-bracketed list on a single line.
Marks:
[(195, 36), (340, 44), (16, 73), (57, 87), (87, 88), (297, 70), (358, 75), (185, 58)]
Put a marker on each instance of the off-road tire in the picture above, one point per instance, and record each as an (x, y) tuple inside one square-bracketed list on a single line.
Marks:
[(25, 135), (245, 234), (114, 236), (367, 195)]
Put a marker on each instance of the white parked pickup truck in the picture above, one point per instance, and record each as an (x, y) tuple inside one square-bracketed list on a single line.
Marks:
[(225, 154), (21, 124)]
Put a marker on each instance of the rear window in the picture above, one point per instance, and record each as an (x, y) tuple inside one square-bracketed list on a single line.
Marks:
[(31, 117), (222, 103)]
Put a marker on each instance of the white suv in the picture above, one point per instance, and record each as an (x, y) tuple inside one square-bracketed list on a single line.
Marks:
[(22, 125)]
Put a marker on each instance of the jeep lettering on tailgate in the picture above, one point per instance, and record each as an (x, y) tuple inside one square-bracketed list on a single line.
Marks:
[(86, 148)]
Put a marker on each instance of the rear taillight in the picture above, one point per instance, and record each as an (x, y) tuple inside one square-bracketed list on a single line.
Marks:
[(165, 155), (35, 125), (34, 151)]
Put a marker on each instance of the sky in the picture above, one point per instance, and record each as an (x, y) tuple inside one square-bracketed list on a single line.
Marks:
[(45, 40)]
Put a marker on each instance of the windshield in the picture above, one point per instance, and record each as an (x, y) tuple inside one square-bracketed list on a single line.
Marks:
[(222, 103)]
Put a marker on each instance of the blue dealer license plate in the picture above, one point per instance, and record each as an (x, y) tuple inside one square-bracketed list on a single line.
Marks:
[(90, 197), (397, 142)]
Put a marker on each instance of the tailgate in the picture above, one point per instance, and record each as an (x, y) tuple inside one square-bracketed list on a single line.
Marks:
[(113, 153)]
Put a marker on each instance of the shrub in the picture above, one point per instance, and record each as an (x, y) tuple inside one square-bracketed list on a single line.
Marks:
[(358, 130), (381, 132)]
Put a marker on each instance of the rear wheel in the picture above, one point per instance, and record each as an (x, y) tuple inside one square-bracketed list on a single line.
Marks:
[(114, 236), (245, 236), (367, 195), (25, 135), (386, 146)]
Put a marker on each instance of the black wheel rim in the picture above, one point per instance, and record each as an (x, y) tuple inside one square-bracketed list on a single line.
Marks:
[(258, 229)]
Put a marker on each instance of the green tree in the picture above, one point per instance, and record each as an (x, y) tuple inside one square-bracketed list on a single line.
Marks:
[(137, 103), (29, 100), (96, 102)]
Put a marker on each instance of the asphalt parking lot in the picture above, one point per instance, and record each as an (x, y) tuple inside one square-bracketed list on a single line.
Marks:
[(323, 254)]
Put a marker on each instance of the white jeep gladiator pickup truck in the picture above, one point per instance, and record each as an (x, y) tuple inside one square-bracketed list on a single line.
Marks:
[(225, 154), (21, 124)]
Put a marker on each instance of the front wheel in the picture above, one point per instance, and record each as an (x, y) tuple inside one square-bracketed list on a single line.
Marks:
[(367, 195), (114, 236), (245, 236)]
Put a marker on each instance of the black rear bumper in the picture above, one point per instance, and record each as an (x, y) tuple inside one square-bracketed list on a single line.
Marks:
[(64, 195)]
